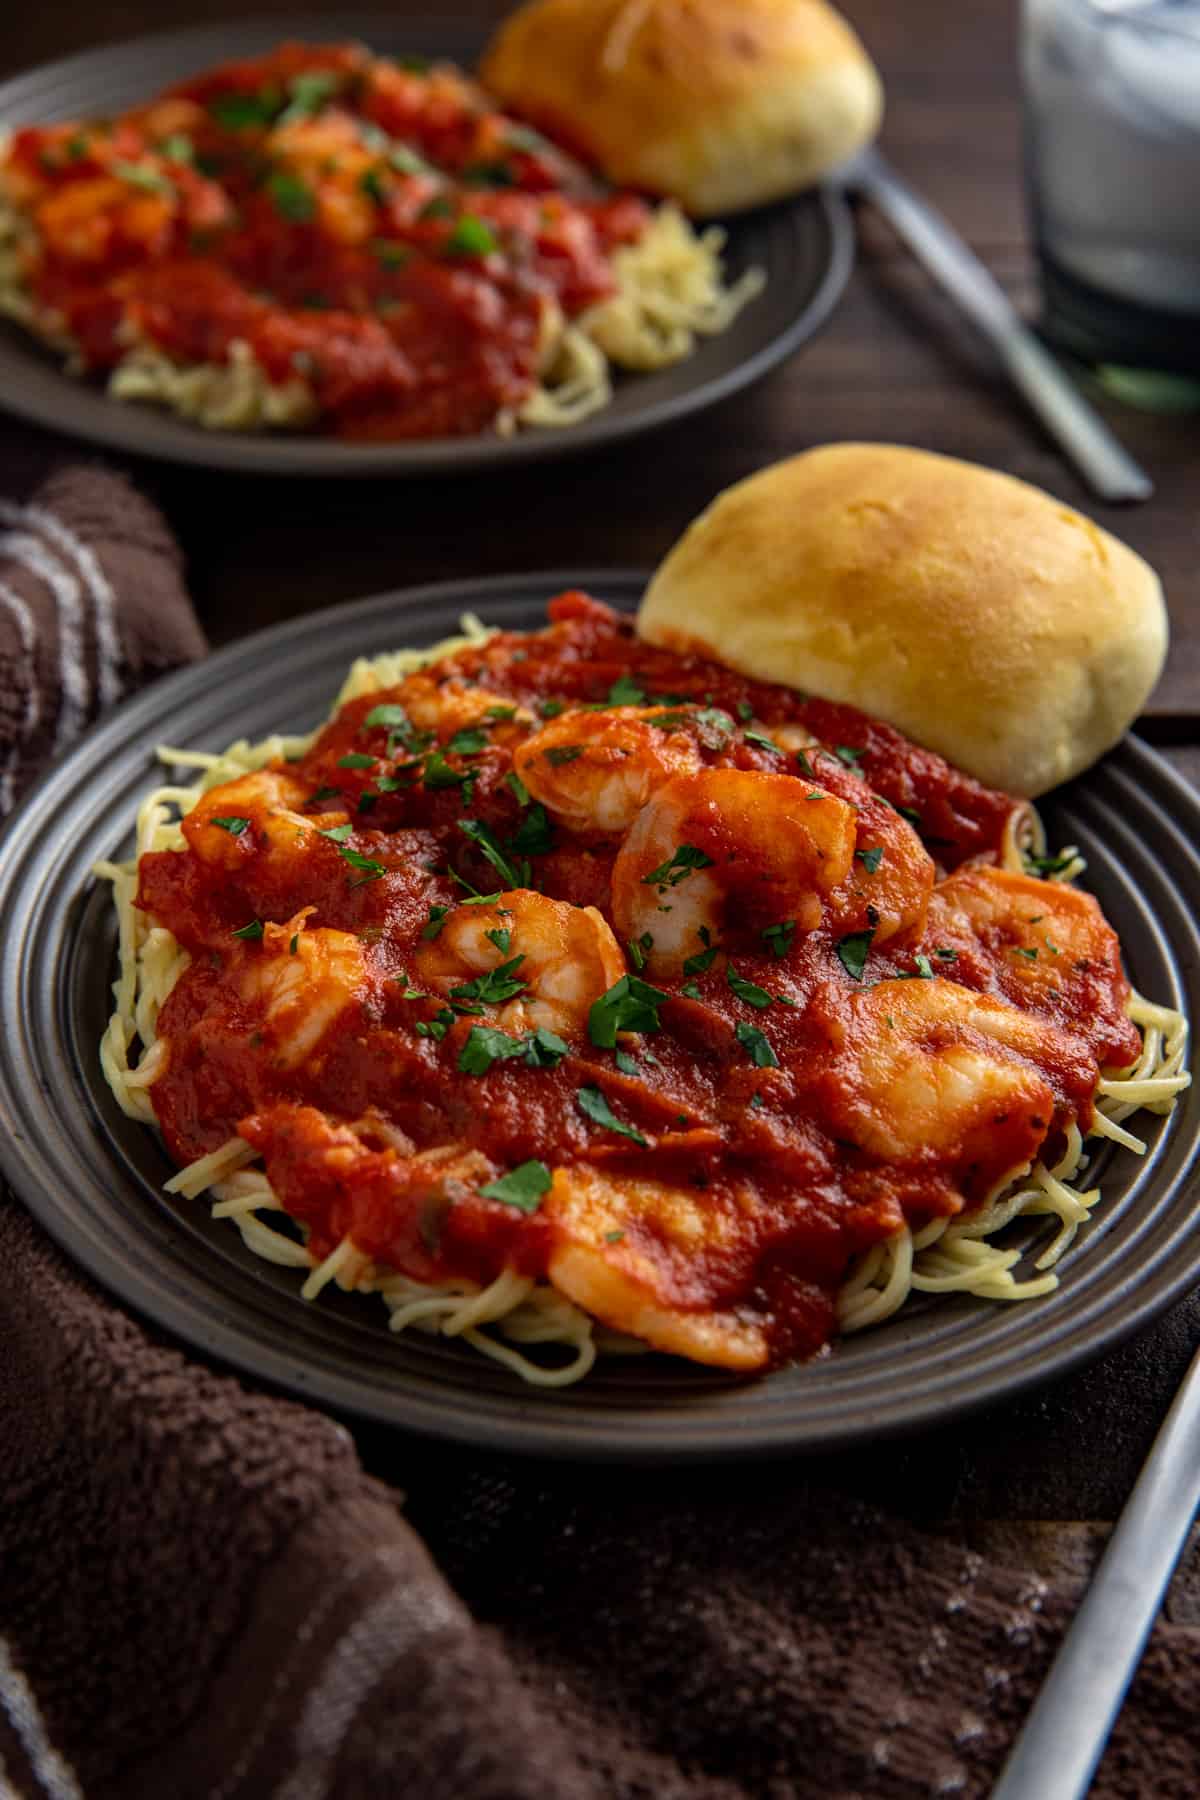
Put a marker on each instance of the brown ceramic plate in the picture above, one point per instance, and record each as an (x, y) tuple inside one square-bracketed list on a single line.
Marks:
[(805, 248), (94, 1178)]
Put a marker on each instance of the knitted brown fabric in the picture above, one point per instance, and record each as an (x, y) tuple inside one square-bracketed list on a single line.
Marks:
[(203, 1596)]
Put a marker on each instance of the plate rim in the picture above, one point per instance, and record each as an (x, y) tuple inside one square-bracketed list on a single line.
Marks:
[(134, 430), (523, 1423)]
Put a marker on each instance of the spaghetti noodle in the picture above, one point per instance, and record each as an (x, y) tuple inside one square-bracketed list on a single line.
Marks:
[(953, 1248)]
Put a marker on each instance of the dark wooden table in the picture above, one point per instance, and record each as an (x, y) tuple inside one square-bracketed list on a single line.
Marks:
[(1039, 1478)]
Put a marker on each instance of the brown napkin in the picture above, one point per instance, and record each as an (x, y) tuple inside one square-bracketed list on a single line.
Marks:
[(204, 1597)]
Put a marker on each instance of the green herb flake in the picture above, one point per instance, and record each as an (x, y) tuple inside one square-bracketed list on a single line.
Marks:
[(1019, 950), (845, 754), (629, 1005), (501, 936), (911, 814), (534, 836), (755, 1045), (356, 760), (594, 1106), (749, 991), (337, 834), (437, 1027), (472, 237), (677, 867), (437, 918), (1053, 948), (141, 175), (778, 938), (614, 1237), (390, 716), (524, 1187), (178, 148), (870, 859), (853, 951), (692, 990), (1049, 865), (513, 780), (292, 197), (232, 824), (625, 1063), (762, 742), (239, 112), (550, 709), (745, 711), (294, 946), (495, 985), (924, 967), (756, 1100), (489, 846), (625, 692), (372, 184), (371, 870), (250, 932), (946, 955), (468, 743), (564, 753), (438, 773), (485, 1046), (308, 93)]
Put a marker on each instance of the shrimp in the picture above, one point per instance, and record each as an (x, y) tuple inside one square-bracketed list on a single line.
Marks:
[(725, 847), (304, 980), (273, 830), (445, 707), (641, 1254), (930, 1066), (1043, 945), (891, 876), (596, 770), (556, 960), (87, 221)]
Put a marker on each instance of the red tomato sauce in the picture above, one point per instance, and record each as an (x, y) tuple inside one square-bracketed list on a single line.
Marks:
[(788, 1147), (377, 228)]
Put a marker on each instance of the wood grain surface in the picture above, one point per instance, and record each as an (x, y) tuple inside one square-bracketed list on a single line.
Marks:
[(893, 364)]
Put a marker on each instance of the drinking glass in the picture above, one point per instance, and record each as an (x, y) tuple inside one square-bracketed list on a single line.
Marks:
[(1112, 119)]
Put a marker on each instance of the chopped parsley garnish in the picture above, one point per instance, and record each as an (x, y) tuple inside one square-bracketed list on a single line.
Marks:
[(629, 1005), (438, 773), (390, 256), (468, 743), (778, 938), (703, 959), (805, 767), (756, 1100), (749, 991), (1049, 865), (677, 867), (714, 728), (140, 175), (501, 936), (232, 824), (625, 692), (692, 990), (371, 870), (236, 112), (550, 709), (372, 185), (337, 834), (495, 985), (294, 946), (924, 967), (177, 148), (489, 845), (534, 836), (614, 1237), (524, 1187), (847, 755), (911, 814), (472, 237), (405, 160), (564, 753), (415, 65), (437, 918), (625, 1063), (251, 931), (437, 1027), (669, 721), (437, 208), (498, 715), (745, 711), (308, 92), (391, 716), (755, 1045), (594, 1106), (1019, 950), (325, 793), (292, 197), (513, 780), (485, 1046), (1053, 948), (870, 859), (356, 760), (489, 174), (853, 950), (638, 948), (945, 955), (762, 742)]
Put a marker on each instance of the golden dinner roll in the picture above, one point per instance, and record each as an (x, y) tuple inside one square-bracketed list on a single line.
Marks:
[(985, 619), (719, 104)]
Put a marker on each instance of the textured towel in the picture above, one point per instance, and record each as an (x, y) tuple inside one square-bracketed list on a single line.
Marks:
[(204, 1597)]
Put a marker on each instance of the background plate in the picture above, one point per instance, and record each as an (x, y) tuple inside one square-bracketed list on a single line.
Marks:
[(94, 1178), (806, 249)]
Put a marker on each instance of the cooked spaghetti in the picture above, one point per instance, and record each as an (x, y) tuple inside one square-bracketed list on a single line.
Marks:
[(566, 991), (326, 239)]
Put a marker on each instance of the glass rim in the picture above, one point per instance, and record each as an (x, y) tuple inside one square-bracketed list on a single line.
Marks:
[(1113, 12)]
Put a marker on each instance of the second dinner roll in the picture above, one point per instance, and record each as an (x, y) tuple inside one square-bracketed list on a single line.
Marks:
[(985, 619), (719, 104)]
